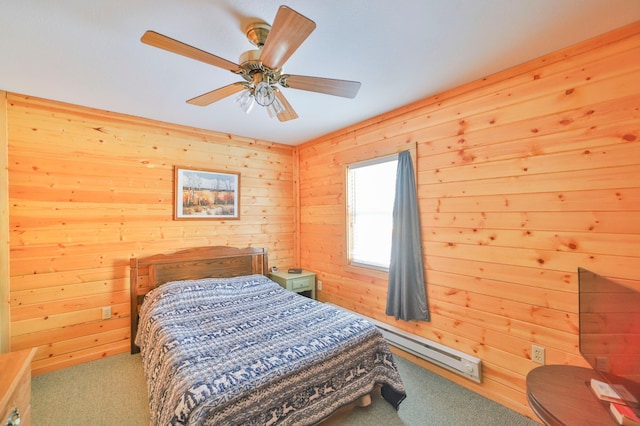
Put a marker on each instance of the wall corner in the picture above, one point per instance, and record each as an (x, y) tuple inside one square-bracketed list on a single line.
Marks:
[(5, 319), (296, 206)]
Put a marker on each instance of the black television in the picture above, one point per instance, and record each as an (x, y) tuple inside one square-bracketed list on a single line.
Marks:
[(610, 330)]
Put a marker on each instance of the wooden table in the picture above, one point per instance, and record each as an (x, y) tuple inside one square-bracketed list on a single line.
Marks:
[(561, 395), (15, 386)]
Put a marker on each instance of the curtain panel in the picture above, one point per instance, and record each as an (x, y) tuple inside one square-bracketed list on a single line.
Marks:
[(406, 298)]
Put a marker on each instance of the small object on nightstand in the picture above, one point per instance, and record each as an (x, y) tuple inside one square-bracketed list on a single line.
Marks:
[(295, 271)]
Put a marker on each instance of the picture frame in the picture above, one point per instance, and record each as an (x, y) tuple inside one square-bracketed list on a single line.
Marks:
[(206, 194)]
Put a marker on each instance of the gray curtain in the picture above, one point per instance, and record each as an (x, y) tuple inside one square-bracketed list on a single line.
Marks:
[(407, 298)]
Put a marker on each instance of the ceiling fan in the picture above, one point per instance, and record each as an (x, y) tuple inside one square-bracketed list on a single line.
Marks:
[(261, 68)]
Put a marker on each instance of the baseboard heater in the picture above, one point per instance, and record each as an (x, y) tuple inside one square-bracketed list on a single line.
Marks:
[(459, 362)]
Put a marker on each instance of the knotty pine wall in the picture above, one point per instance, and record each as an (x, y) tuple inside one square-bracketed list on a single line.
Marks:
[(522, 177), (5, 319), (90, 189)]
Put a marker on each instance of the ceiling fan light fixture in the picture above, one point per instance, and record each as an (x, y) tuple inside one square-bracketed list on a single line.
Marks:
[(264, 94), (275, 108), (246, 100)]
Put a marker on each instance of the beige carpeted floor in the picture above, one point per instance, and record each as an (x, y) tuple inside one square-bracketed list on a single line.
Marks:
[(112, 391)]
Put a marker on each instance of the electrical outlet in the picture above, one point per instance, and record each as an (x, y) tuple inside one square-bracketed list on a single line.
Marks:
[(602, 364), (106, 312), (319, 285), (537, 354)]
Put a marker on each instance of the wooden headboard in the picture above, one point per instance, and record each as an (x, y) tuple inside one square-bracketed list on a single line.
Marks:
[(201, 262)]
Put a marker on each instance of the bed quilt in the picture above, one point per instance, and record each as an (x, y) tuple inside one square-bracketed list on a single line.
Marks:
[(243, 350)]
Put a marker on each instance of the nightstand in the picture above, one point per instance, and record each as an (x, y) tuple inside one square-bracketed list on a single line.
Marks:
[(304, 283)]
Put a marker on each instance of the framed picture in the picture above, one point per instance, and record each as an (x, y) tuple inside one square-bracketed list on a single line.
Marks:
[(206, 194)]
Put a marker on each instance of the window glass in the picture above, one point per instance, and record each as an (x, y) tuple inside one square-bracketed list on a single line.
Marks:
[(370, 197)]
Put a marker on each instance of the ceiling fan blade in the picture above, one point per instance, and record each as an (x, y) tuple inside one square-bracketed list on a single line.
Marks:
[(216, 95), (287, 33), (329, 86), (288, 113), (155, 39)]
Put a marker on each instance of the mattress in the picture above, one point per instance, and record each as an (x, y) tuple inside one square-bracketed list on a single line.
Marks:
[(244, 350)]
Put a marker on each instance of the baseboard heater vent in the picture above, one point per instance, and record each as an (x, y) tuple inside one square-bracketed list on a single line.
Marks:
[(463, 364)]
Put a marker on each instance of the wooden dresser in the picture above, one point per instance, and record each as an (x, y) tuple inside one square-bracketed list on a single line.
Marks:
[(15, 387)]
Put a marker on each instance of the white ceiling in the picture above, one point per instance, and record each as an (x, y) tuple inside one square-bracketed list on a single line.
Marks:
[(89, 53)]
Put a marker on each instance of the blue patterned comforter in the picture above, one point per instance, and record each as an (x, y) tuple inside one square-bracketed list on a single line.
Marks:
[(223, 351)]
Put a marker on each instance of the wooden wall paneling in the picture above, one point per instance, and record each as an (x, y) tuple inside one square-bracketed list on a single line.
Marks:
[(296, 207), (602, 221), (89, 189), (514, 300), (447, 107), (74, 331), (564, 159), (5, 313), (25, 310), (522, 177), (397, 122), (577, 201), (483, 147), (613, 266), (46, 365), (615, 244)]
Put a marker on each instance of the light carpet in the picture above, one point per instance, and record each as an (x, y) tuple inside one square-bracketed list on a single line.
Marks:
[(112, 391)]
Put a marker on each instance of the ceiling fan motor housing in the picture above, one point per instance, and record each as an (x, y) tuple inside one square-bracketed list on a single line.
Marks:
[(250, 60), (250, 65), (257, 33)]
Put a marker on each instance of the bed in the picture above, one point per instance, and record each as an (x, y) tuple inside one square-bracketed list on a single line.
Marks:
[(223, 344)]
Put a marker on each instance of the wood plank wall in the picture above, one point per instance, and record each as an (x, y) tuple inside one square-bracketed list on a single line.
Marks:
[(5, 318), (90, 189), (522, 177)]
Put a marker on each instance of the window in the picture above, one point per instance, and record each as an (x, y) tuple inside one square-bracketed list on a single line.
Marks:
[(370, 197)]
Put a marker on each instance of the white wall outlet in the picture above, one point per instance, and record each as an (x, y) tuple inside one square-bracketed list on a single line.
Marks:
[(319, 285), (106, 312), (537, 354)]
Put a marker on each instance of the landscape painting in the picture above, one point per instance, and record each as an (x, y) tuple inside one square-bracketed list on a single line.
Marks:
[(206, 194)]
